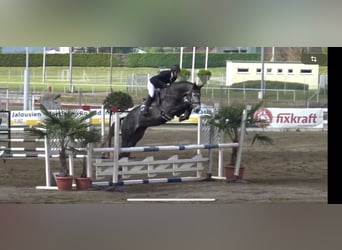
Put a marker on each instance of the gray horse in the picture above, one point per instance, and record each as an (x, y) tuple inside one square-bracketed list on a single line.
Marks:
[(179, 99)]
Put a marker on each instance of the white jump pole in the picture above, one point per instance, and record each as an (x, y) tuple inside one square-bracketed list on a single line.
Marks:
[(206, 57), (90, 160), (47, 148), (47, 162), (26, 82), (181, 57), (242, 134), (116, 147), (71, 163), (220, 164), (199, 129), (71, 88), (43, 69), (103, 117), (193, 65)]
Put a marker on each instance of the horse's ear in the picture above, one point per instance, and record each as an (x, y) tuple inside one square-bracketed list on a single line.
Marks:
[(199, 86)]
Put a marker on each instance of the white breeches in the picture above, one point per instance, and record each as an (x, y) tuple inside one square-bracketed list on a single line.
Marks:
[(150, 89)]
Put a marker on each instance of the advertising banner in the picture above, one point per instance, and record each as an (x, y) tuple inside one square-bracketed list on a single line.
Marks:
[(289, 118), (267, 117), (33, 117)]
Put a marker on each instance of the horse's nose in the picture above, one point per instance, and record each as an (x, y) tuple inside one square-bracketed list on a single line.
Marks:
[(197, 109)]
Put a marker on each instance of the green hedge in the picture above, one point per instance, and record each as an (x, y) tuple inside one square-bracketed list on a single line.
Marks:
[(167, 59), (13, 60), (271, 85), (154, 60), (36, 60)]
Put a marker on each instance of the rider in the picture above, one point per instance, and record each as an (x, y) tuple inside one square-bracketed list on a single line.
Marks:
[(159, 81)]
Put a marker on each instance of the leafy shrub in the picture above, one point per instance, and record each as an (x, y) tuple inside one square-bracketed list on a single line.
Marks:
[(184, 74), (271, 85), (120, 99), (204, 72)]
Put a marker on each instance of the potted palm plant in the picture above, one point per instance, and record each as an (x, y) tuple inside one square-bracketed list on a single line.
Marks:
[(83, 181), (66, 130), (228, 119)]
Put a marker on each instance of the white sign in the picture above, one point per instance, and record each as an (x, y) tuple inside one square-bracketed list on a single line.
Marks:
[(289, 118), (33, 117)]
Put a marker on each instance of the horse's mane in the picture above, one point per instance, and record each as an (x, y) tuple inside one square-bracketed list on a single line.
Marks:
[(175, 85), (184, 82)]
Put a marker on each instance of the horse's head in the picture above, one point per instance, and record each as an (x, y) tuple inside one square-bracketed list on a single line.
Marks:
[(195, 98), (185, 96)]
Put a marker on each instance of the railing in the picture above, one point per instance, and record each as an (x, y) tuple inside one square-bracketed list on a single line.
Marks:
[(222, 95)]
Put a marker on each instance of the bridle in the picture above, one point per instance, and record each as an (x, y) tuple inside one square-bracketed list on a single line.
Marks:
[(192, 97)]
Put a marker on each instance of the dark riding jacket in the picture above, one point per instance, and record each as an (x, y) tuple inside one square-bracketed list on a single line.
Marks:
[(162, 79)]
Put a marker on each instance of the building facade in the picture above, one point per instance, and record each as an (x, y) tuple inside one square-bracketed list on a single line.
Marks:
[(238, 71)]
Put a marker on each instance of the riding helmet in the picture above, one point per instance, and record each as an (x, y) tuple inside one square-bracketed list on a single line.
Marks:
[(175, 68)]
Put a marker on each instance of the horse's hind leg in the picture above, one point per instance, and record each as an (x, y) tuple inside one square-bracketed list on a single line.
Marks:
[(131, 139)]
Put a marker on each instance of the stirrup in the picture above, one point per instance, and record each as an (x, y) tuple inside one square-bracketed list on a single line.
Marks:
[(145, 111)]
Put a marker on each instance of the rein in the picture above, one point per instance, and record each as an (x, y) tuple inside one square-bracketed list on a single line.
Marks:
[(167, 94)]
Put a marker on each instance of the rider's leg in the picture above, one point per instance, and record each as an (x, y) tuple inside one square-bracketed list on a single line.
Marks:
[(148, 103), (149, 98)]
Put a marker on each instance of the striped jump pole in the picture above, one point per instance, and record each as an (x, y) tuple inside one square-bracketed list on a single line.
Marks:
[(148, 181), (21, 140), (169, 147)]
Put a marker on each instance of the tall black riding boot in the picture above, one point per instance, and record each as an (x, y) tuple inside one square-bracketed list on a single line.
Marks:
[(148, 103)]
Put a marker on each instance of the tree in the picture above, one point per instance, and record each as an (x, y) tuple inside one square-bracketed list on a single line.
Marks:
[(120, 99), (116, 101)]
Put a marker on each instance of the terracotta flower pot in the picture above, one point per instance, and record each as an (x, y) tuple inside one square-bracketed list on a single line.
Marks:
[(83, 183), (229, 170), (64, 183)]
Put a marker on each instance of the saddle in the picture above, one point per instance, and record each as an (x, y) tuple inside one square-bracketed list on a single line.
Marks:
[(158, 97)]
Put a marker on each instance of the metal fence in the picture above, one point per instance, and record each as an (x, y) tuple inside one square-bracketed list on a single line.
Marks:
[(136, 85)]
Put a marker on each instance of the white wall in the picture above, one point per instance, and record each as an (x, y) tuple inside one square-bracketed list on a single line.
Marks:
[(275, 71)]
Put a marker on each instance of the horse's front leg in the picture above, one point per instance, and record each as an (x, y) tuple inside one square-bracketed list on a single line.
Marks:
[(185, 115)]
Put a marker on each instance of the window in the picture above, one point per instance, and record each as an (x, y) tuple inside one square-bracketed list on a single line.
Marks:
[(290, 71), (243, 70), (269, 71), (258, 70), (280, 71), (306, 71)]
